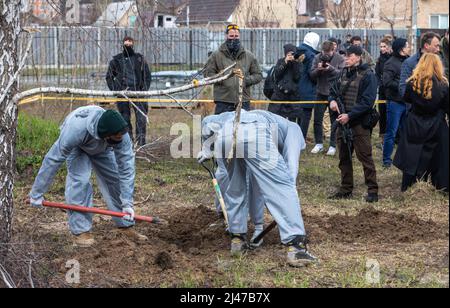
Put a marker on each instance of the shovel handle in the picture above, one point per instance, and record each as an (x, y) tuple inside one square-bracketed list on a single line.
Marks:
[(82, 209)]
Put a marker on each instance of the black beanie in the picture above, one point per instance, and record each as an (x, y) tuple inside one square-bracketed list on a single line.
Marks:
[(398, 45), (289, 48), (111, 123)]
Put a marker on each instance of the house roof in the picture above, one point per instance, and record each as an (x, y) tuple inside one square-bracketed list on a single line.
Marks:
[(114, 13), (204, 11), (169, 7)]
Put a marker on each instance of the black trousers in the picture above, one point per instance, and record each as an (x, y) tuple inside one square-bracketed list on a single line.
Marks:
[(382, 109), (222, 107), (141, 122)]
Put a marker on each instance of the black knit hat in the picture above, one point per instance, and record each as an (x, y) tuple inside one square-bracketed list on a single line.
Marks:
[(398, 45), (353, 49), (289, 48), (111, 123)]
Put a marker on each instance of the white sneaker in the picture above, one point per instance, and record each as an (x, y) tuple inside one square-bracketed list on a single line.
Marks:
[(331, 151), (317, 149)]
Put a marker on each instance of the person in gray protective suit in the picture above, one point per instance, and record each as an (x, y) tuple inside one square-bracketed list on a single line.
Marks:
[(92, 139), (290, 144), (259, 155)]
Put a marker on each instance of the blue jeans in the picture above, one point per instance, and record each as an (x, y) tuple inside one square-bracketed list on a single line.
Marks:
[(395, 113)]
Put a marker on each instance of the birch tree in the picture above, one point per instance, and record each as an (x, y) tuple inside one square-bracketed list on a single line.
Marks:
[(9, 67)]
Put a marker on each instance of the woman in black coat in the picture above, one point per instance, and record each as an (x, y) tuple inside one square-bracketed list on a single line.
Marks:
[(423, 150)]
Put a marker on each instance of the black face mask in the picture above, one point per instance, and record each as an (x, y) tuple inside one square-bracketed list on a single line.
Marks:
[(113, 142), (234, 45), (128, 51)]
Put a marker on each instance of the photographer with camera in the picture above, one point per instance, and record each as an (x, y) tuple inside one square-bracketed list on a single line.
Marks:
[(287, 74), (327, 66)]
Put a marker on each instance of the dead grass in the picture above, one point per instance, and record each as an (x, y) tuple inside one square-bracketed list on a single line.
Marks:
[(173, 188)]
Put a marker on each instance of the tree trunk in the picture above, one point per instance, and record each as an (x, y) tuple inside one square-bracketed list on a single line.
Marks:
[(9, 38)]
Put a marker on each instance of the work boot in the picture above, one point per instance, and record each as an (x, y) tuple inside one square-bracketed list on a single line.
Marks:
[(341, 195), (258, 230), (133, 234), (238, 245), (298, 255), (84, 240), (372, 198)]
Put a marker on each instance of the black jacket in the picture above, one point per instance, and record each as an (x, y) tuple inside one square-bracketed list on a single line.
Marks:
[(287, 78), (367, 93), (391, 77), (115, 75), (424, 136), (379, 68)]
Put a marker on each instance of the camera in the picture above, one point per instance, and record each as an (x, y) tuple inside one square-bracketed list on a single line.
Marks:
[(325, 59)]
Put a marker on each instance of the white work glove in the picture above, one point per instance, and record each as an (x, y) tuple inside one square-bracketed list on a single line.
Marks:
[(130, 212), (204, 156), (37, 203)]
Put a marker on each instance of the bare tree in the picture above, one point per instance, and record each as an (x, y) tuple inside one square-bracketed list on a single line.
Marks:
[(347, 14), (398, 12), (340, 13), (9, 66)]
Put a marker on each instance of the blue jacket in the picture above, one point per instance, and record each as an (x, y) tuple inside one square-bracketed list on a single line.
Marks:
[(307, 84), (407, 69), (79, 130)]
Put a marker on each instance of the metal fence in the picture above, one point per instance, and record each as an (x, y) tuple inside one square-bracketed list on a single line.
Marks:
[(79, 56)]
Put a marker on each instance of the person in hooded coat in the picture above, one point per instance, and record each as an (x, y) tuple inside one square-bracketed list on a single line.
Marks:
[(307, 87), (92, 139), (257, 155), (289, 146), (424, 138)]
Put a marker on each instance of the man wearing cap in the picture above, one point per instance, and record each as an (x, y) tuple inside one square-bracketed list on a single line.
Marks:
[(92, 139), (129, 71), (226, 93), (396, 108), (358, 88)]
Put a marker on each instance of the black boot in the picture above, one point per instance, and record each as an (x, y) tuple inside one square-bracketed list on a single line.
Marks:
[(372, 198), (341, 195)]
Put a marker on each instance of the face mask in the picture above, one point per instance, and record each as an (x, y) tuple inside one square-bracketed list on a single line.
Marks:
[(234, 45), (128, 50), (113, 142)]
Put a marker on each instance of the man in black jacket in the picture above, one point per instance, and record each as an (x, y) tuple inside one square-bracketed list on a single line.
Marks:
[(130, 71), (358, 89), (287, 75), (396, 108), (385, 54)]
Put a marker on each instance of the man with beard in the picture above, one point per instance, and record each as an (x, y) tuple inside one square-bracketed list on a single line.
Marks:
[(92, 139), (226, 93), (128, 71)]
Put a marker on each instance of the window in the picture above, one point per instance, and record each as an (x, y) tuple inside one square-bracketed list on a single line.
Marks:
[(160, 21), (438, 21)]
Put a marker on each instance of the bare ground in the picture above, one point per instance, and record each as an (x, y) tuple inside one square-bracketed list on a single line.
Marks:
[(407, 234)]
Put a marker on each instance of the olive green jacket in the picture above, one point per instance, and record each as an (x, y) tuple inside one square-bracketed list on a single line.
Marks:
[(228, 90)]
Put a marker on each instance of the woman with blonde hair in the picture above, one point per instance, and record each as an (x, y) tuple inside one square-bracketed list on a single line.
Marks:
[(424, 141)]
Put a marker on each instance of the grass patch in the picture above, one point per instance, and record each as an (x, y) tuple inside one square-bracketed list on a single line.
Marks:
[(34, 138)]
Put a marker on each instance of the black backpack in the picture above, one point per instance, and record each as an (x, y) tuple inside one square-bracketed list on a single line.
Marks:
[(270, 84)]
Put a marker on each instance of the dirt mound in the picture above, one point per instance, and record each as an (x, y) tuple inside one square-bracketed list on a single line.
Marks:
[(194, 230), (370, 225)]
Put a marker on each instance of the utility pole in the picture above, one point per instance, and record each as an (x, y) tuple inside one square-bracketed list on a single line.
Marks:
[(414, 6)]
